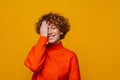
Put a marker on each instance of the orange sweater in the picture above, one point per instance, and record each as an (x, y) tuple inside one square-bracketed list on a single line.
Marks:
[(52, 62)]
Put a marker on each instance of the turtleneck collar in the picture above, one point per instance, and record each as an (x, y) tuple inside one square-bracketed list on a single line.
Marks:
[(55, 46)]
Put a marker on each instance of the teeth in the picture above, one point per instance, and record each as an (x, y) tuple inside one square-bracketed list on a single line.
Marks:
[(50, 36)]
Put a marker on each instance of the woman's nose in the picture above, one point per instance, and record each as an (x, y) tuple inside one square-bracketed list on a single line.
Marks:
[(49, 31)]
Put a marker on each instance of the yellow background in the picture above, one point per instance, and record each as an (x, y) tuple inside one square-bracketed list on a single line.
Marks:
[(94, 35)]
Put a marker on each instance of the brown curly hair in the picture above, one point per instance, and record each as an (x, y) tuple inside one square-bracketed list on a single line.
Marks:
[(54, 18)]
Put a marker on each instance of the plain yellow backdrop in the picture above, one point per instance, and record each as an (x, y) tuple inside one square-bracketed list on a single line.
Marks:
[(94, 35)]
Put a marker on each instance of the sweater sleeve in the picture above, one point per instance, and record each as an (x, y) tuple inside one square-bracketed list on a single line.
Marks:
[(36, 57), (74, 69)]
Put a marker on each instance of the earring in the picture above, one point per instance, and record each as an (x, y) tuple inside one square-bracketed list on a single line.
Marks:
[(61, 33)]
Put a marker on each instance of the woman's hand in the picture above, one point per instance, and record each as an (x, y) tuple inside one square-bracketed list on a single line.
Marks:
[(44, 29)]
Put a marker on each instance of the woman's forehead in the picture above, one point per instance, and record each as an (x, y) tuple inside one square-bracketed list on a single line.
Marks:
[(52, 25)]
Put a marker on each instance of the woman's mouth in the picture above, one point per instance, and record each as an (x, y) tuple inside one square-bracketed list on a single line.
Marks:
[(51, 37)]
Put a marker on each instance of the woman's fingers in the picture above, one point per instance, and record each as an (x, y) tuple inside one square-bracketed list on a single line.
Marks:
[(44, 29)]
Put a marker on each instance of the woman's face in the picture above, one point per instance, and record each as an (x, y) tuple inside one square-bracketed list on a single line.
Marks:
[(53, 34)]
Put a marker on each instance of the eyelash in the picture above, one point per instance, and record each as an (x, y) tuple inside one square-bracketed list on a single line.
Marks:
[(53, 28)]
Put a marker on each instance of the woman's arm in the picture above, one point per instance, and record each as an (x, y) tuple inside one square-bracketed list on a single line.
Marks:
[(36, 57), (74, 69)]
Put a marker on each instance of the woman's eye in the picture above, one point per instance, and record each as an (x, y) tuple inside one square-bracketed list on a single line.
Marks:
[(53, 27)]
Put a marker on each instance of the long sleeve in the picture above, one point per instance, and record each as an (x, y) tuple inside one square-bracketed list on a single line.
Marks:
[(36, 57), (74, 69)]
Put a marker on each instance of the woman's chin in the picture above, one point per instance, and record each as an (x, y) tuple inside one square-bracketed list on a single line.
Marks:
[(51, 41)]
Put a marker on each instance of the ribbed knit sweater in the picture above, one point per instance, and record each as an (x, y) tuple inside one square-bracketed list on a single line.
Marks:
[(52, 62)]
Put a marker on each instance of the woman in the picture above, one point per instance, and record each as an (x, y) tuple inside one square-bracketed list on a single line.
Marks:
[(49, 59)]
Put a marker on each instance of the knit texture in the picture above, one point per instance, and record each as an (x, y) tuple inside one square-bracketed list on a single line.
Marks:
[(52, 62)]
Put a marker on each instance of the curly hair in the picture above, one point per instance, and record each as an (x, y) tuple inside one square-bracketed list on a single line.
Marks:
[(54, 18)]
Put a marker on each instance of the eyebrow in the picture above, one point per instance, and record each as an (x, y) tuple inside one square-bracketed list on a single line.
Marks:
[(52, 25)]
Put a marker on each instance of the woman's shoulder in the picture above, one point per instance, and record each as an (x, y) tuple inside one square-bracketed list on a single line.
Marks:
[(69, 52)]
